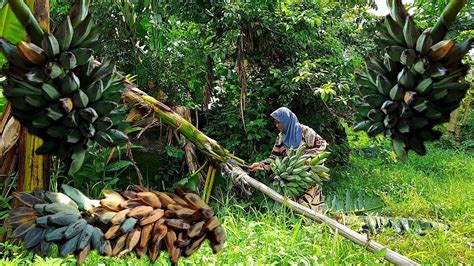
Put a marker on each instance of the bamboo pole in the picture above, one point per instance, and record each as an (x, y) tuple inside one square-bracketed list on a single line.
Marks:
[(140, 100), (390, 255)]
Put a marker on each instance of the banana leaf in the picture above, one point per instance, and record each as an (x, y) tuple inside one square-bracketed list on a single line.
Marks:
[(376, 224), (352, 203), (10, 28)]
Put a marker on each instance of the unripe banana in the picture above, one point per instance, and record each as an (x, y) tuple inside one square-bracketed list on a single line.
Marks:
[(64, 34), (424, 42), (31, 53), (410, 32), (50, 45), (441, 50)]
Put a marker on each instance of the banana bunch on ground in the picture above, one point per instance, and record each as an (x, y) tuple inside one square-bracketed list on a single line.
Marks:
[(416, 86), (47, 218), (148, 221), (59, 93), (136, 220), (298, 171)]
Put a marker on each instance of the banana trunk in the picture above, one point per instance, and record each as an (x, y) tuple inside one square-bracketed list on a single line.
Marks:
[(33, 168), (147, 104)]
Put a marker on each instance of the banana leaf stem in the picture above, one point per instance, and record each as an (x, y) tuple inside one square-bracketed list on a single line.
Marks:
[(199, 169), (206, 184), (211, 184)]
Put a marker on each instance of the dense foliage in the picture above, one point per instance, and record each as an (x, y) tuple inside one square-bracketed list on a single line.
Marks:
[(214, 56), (262, 56)]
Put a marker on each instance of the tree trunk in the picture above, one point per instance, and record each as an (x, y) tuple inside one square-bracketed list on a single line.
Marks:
[(453, 120), (34, 169)]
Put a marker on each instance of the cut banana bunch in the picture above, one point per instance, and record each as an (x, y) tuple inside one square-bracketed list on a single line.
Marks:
[(136, 220), (297, 172), (415, 87), (59, 94)]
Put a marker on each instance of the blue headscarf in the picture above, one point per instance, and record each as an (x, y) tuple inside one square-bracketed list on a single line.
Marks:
[(292, 131)]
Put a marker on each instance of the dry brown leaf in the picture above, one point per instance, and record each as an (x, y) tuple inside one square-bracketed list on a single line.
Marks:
[(10, 136)]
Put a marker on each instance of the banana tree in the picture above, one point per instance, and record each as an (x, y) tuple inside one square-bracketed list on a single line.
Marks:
[(33, 168)]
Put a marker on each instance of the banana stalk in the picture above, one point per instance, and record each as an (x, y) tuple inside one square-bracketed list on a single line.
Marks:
[(446, 19), (30, 23), (145, 103)]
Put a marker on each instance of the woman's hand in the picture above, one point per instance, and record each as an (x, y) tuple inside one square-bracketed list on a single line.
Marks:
[(255, 167)]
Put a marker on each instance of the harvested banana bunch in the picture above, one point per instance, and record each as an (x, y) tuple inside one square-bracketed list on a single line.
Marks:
[(148, 221), (46, 218), (59, 94), (136, 220), (416, 86), (297, 172)]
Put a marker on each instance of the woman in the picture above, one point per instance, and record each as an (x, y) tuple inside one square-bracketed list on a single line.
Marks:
[(292, 134)]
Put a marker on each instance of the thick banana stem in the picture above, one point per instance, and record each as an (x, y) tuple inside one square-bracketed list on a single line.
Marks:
[(390, 255), (141, 101), (446, 19), (34, 169), (24, 15)]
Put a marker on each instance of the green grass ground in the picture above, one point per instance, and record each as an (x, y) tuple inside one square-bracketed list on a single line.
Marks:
[(437, 187)]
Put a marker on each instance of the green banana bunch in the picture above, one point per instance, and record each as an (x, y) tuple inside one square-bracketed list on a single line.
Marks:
[(297, 172), (136, 220), (45, 218), (59, 94), (414, 88)]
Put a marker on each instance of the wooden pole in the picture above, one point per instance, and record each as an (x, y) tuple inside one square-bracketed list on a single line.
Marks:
[(390, 255), (34, 169)]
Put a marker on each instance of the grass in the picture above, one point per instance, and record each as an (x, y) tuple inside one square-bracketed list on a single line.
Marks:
[(254, 238), (437, 187)]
